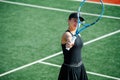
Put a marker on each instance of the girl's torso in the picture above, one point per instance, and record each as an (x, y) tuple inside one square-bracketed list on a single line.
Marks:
[(74, 54)]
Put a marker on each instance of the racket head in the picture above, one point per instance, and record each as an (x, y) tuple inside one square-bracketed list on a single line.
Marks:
[(82, 25)]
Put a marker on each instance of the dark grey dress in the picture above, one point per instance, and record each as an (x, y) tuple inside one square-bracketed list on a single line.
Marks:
[(73, 68)]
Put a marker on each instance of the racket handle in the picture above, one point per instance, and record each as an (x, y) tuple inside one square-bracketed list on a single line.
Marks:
[(72, 41)]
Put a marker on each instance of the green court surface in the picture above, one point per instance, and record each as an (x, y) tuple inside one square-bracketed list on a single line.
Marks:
[(30, 36)]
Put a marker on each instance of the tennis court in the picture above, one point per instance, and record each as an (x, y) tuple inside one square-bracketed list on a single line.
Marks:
[(30, 34)]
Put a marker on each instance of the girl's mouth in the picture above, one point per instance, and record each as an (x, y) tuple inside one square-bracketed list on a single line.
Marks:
[(75, 25)]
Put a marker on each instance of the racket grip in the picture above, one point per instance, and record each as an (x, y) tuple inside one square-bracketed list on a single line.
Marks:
[(72, 41)]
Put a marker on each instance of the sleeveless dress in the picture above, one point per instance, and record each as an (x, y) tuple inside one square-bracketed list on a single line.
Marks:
[(72, 67)]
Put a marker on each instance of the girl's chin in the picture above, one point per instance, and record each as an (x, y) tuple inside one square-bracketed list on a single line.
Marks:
[(75, 26)]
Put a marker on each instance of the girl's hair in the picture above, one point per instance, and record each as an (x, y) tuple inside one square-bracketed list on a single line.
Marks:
[(74, 15)]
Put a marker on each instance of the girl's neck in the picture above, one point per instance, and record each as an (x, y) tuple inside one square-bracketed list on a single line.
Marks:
[(72, 30)]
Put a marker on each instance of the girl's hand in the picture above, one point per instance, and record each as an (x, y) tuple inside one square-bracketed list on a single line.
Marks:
[(69, 44)]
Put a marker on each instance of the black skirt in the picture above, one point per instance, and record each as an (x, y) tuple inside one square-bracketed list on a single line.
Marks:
[(72, 73)]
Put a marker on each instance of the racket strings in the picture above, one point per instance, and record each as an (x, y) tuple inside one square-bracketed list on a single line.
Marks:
[(84, 26)]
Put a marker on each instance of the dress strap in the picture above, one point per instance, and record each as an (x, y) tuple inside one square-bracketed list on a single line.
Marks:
[(69, 32)]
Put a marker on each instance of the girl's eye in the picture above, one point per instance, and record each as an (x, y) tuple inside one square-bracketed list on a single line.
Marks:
[(75, 20)]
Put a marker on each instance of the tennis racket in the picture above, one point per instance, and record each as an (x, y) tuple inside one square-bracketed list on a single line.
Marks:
[(82, 25)]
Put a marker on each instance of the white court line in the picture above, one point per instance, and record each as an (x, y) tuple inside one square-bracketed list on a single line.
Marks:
[(99, 3), (97, 74), (30, 64), (101, 37), (55, 9), (48, 57)]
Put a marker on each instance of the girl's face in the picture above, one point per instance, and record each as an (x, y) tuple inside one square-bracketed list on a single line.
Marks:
[(73, 23)]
